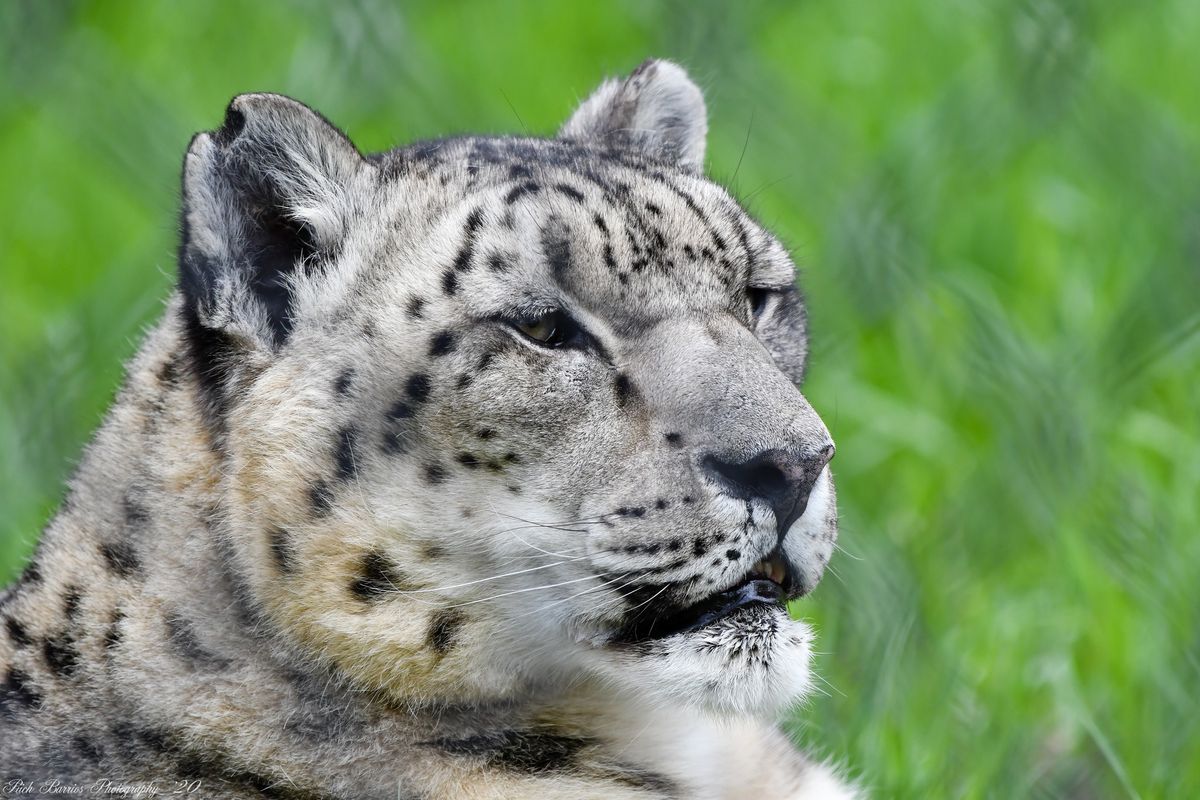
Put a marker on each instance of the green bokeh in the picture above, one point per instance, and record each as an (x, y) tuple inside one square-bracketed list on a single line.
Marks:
[(996, 209)]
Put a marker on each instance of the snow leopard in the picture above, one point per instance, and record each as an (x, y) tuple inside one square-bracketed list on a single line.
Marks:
[(474, 468)]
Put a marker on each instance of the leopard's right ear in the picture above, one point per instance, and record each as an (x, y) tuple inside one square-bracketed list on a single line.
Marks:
[(265, 198)]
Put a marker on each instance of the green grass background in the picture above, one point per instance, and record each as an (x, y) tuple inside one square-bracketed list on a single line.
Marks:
[(995, 209)]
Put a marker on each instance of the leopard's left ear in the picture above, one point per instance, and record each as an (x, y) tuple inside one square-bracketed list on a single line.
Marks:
[(657, 110), (266, 198)]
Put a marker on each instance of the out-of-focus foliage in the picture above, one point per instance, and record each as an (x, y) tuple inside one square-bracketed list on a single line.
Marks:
[(995, 206)]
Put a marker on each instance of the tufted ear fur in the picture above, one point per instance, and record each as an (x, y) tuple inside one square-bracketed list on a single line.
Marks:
[(264, 196), (657, 109)]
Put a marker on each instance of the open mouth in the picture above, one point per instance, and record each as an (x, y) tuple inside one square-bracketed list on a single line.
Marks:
[(766, 584)]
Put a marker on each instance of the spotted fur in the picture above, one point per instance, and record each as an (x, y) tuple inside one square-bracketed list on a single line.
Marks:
[(420, 438)]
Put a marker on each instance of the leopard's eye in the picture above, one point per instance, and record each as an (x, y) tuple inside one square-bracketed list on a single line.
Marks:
[(759, 298), (551, 329)]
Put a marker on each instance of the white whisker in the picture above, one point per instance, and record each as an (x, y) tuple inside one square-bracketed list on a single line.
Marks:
[(521, 591), (483, 580)]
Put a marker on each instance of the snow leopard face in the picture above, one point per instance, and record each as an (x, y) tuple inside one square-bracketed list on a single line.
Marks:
[(500, 412)]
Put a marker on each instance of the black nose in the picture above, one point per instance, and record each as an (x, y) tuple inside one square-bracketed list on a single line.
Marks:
[(781, 478)]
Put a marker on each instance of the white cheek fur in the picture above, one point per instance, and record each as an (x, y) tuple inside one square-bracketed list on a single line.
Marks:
[(758, 667)]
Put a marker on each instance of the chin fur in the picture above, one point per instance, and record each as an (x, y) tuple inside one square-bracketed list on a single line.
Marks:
[(755, 662)]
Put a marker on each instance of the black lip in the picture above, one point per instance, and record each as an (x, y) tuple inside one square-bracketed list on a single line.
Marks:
[(752, 591)]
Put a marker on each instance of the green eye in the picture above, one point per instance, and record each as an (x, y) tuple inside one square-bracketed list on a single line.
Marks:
[(541, 329), (551, 329)]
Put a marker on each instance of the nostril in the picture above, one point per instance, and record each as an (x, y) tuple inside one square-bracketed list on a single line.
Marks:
[(766, 479), (748, 479)]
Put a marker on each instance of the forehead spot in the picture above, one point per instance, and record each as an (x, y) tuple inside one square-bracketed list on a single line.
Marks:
[(523, 190), (344, 455), (600, 223), (450, 281), (442, 343), (415, 309), (556, 247), (499, 262), (464, 260), (569, 191)]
